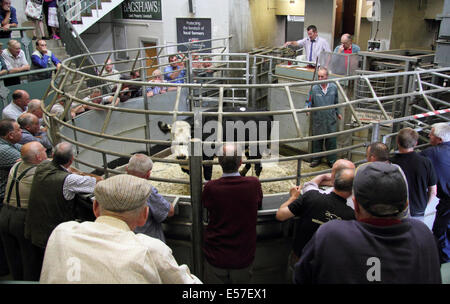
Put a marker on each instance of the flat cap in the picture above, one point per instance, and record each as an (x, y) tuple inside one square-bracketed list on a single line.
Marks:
[(122, 192)]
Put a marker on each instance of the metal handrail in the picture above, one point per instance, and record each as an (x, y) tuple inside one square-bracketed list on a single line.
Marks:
[(223, 86)]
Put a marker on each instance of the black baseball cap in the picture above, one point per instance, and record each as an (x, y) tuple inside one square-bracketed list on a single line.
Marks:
[(381, 188)]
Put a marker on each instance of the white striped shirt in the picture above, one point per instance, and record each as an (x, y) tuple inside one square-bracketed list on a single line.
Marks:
[(75, 183), (319, 45)]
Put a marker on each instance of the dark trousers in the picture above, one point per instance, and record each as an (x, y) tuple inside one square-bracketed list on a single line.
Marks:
[(4, 269), (24, 259), (441, 230), (215, 275), (330, 144)]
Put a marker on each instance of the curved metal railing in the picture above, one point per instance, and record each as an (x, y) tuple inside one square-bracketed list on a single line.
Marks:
[(233, 72)]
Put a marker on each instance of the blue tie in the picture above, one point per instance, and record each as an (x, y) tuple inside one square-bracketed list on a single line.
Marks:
[(310, 52)]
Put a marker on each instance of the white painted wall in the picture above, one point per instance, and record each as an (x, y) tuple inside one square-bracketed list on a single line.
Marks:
[(385, 25), (321, 13)]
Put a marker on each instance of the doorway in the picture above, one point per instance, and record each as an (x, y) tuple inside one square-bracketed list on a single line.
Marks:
[(149, 54), (345, 19)]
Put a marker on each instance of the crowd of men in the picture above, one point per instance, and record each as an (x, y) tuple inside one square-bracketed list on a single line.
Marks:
[(353, 225)]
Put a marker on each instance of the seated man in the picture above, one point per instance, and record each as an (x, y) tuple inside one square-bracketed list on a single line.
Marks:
[(111, 73), (378, 247), (157, 78), (175, 72), (94, 97), (8, 18), (140, 165), (12, 217), (31, 131), (15, 61), (107, 251), (43, 58), (18, 105), (10, 135), (53, 196), (34, 107)]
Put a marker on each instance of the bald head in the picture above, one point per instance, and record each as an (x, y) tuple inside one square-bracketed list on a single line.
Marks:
[(21, 98), (231, 159), (346, 41), (343, 180), (33, 153), (341, 164)]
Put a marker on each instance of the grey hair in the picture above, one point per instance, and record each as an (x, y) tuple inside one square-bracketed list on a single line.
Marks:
[(323, 69), (140, 163), (33, 105), (442, 130), (26, 120), (63, 153)]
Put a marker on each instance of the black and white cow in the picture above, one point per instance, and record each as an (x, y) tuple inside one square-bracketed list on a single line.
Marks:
[(234, 128)]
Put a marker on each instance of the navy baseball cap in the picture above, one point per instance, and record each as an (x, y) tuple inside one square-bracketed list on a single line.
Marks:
[(381, 188)]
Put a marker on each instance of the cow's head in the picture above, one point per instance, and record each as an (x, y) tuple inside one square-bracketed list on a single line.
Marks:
[(181, 136)]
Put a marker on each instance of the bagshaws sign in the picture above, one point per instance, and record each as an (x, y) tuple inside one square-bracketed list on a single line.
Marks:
[(142, 9)]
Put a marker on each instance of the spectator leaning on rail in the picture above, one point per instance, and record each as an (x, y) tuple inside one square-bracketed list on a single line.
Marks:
[(378, 247), (31, 131), (15, 61), (232, 202), (315, 208), (439, 154), (18, 105), (111, 73), (175, 71), (3, 68), (418, 170), (8, 18), (108, 246), (43, 58), (326, 180), (140, 165), (53, 196), (12, 217)]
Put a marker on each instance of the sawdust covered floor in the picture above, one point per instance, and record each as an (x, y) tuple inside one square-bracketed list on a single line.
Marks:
[(270, 170)]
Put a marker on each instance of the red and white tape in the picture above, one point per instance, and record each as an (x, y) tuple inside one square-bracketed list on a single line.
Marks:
[(432, 113)]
